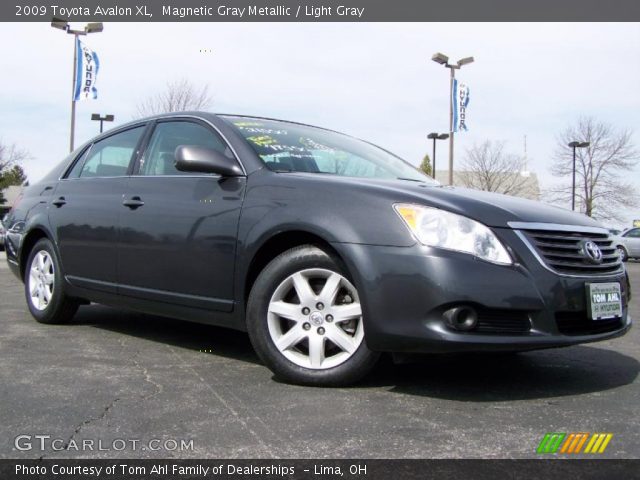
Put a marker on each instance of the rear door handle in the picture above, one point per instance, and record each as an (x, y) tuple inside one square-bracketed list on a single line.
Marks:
[(59, 202), (133, 202)]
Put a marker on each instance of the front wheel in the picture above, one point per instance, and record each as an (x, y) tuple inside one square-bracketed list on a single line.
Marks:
[(43, 285), (305, 320), (623, 253)]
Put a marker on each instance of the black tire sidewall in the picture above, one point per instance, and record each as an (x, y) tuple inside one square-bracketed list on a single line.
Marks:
[(57, 310), (286, 264)]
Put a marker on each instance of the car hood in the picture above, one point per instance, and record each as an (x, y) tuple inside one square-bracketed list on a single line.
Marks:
[(492, 209)]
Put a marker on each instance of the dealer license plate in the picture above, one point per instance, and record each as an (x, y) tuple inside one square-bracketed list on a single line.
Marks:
[(604, 300)]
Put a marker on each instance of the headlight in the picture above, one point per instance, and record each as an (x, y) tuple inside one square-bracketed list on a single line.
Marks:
[(442, 229)]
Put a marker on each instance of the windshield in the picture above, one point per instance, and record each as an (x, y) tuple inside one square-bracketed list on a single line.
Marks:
[(289, 147)]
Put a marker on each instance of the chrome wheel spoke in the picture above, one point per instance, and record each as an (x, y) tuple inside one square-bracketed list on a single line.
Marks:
[(40, 298), (347, 312), (316, 350), (290, 311), (47, 294), (330, 289), (342, 339), (290, 339), (33, 283), (302, 288)]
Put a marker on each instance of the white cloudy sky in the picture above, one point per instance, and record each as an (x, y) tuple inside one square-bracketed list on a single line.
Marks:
[(371, 80)]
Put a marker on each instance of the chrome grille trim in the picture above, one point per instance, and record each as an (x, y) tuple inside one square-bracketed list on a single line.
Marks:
[(557, 248)]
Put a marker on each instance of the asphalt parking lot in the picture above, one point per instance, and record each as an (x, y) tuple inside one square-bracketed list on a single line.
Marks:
[(115, 375)]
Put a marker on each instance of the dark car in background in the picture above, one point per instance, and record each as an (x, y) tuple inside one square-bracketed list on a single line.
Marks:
[(328, 250), (2, 234)]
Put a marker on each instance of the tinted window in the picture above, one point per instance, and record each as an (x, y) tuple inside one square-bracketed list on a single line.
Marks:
[(167, 136), (111, 157), (77, 167), (635, 233), (290, 147)]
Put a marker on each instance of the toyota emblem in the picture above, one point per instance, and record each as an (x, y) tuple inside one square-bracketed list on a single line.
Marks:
[(592, 252)]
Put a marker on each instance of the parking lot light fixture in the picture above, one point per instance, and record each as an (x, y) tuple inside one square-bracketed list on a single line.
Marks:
[(436, 136), (575, 145), (443, 60), (440, 58), (97, 117), (93, 27)]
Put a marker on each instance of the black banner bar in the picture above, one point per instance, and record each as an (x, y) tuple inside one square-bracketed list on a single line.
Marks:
[(322, 10), (327, 469)]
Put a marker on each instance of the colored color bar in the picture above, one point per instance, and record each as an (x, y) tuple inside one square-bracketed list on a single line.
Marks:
[(607, 439), (581, 443)]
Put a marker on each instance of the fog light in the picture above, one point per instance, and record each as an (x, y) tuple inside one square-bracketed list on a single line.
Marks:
[(461, 318)]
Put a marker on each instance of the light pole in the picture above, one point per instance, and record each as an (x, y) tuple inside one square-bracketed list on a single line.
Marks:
[(436, 136), (106, 118), (575, 145), (442, 59), (94, 27)]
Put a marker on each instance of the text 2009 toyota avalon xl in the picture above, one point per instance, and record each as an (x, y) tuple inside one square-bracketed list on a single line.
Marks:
[(328, 250)]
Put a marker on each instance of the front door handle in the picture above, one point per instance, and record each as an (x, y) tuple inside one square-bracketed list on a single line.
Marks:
[(59, 202), (133, 202)]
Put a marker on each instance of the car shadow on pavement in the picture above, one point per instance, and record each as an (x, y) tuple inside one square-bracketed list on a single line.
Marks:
[(193, 336), (507, 377), (462, 377)]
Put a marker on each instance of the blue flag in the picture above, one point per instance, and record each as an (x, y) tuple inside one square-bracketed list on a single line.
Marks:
[(87, 65), (460, 99)]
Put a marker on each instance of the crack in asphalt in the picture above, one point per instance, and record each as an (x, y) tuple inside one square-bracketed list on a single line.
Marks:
[(226, 404), (83, 424), (145, 371)]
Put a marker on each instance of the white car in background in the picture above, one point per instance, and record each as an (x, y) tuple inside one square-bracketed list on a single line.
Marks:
[(628, 243)]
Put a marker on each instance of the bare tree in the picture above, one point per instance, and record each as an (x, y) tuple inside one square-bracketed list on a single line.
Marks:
[(180, 95), (488, 167), (10, 156), (600, 190), (11, 172)]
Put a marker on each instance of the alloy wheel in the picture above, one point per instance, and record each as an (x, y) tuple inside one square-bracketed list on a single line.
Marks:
[(41, 280), (315, 319)]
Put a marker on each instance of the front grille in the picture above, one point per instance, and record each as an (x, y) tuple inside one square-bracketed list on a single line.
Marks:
[(492, 320), (563, 252), (577, 323)]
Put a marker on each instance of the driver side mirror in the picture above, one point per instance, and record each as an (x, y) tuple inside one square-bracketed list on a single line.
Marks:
[(194, 158)]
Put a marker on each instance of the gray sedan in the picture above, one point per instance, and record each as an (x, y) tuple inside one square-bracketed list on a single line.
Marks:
[(629, 244)]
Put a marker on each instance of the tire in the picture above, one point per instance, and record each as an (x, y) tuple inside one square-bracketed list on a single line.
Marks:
[(320, 332), (44, 286), (624, 256)]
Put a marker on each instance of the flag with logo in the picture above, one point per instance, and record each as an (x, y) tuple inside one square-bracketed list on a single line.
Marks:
[(460, 99), (87, 65)]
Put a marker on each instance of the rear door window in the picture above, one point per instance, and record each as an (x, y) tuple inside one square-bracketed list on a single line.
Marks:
[(111, 156)]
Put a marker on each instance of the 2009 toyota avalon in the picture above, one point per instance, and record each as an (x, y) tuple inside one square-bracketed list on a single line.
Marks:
[(327, 249)]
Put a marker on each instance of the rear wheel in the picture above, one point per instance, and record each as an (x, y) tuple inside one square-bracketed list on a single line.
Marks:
[(43, 286), (305, 320)]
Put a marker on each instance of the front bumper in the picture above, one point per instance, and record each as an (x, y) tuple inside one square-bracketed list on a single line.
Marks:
[(405, 290)]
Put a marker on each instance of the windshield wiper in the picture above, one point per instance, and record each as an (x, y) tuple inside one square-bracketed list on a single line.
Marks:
[(409, 179)]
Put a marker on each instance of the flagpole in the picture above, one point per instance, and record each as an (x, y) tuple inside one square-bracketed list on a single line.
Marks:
[(73, 92), (443, 60), (451, 80), (92, 27)]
